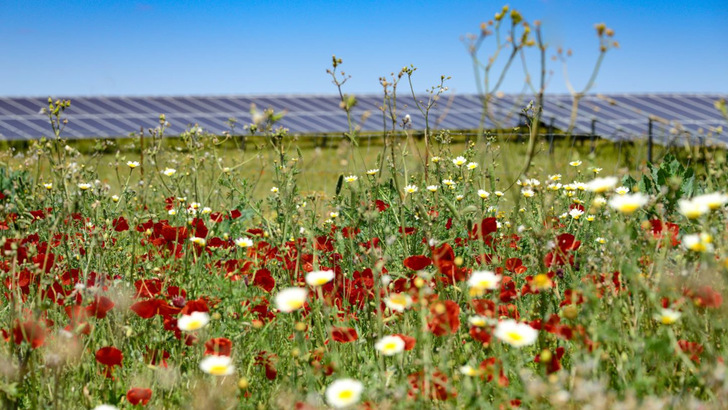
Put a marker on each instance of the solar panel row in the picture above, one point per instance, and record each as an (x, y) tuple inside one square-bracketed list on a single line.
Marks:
[(618, 116)]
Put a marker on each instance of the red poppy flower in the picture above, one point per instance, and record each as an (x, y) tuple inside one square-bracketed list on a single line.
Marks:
[(381, 205), (444, 317), (417, 262), (29, 331), (109, 356), (220, 346), (436, 384), (120, 224), (100, 307), (409, 342), (344, 334), (138, 395)]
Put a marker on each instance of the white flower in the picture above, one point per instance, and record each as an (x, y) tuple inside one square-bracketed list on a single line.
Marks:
[(469, 370), (319, 277), (714, 200), (600, 240), (629, 203), (667, 316), (459, 161), (483, 193), (291, 299), (600, 185), (448, 182), (274, 190), (410, 189), (84, 186), (115, 198), (459, 197), (576, 213), (333, 215), (472, 165), (596, 170), (398, 302), (169, 171), (622, 190), (105, 407), (48, 186), (351, 178), (599, 201), (217, 365), (575, 163), (132, 164), (198, 241), (172, 212), (435, 159), (344, 393), (193, 321), (515, 334), (373, 171), (480, 281), (554, 187), (244, 242), (206, 210), (498, 193), (432, 188), (528, 192), (390, 345), (693, 209), (701, 242), (478, 321)]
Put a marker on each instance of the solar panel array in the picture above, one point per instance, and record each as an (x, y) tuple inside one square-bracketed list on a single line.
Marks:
[(618, 116)]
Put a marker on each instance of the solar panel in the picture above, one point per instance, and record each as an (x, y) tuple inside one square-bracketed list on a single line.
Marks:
[(618, 116)]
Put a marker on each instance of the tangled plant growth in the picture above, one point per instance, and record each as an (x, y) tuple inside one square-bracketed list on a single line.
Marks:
[(442, 288)]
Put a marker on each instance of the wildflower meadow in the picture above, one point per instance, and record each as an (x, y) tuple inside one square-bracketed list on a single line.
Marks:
[(433, 273)]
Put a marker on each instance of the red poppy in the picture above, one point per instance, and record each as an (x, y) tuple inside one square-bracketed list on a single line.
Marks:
[(109, 356), (381, 205), (29, 331), (553, 364), (409, 342), (417, 262), (436, 385), (220, 346), (264, 280), (515, 265), (139, 395), (99, 307), (444, 317), (120, 224), (344, 334)]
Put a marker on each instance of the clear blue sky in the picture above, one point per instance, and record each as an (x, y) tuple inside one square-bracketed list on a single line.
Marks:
[(72, 48)]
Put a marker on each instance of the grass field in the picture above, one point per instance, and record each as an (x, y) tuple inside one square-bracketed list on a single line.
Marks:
[(289, 276)]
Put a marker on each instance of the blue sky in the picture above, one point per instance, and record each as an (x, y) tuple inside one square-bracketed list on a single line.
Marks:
[(150, 47)]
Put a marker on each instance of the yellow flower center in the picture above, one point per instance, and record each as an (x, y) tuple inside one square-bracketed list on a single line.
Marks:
[(346, 394), (514, 336), (218, 369)]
